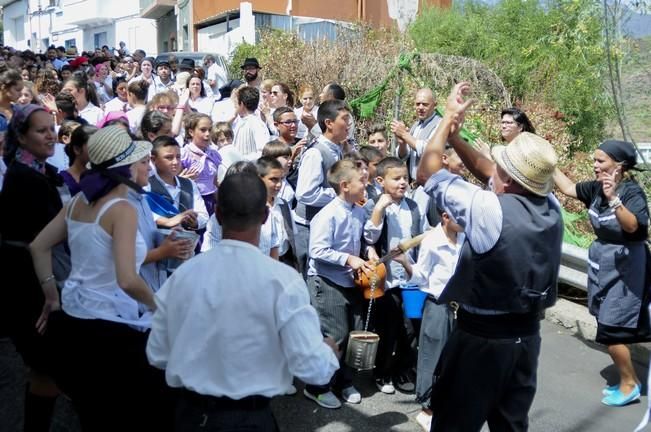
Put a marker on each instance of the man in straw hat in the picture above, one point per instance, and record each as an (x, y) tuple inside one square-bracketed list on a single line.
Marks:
[(505, 278), (226, 309)]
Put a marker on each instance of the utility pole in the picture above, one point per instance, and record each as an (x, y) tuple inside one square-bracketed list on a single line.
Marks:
[(38, 40)]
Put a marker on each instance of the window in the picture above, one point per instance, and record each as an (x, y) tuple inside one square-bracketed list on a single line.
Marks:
[(69, 43), (100, 39), (19, 26)]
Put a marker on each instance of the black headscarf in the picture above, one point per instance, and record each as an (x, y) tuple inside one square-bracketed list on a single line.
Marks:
[(620, 151)]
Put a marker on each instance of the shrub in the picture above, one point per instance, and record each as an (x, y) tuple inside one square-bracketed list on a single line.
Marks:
[(549, 53)]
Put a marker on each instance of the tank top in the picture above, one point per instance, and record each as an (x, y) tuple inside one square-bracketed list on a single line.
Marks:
[(92, 291)]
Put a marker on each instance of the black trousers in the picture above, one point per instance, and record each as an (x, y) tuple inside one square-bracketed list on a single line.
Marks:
[(200, 413), (102, 366), (397, 350), (480, 379)]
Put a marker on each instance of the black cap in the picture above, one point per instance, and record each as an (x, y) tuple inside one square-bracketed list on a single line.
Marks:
[(186, 64), (162, 63), (251, 61)]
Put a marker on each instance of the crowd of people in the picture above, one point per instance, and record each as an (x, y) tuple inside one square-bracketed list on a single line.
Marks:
[(184, 247)]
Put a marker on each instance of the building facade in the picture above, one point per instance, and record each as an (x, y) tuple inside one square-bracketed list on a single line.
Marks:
[(85, 24), (218, 26)]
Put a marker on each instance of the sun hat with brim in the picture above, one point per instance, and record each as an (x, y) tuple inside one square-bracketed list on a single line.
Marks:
[(112, 147), (530, 161), (181, 80)]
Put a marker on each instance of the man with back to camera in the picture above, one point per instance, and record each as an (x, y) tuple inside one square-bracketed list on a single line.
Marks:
[(223, 311)]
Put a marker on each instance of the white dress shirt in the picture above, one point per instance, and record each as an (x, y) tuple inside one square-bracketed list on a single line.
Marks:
[(116, 104), (91, 114), (269, 237), (233, 322), (251, 134), (217, 74), (437, 260), (223, 110), (335, 234), (198, 204), (398, 217)]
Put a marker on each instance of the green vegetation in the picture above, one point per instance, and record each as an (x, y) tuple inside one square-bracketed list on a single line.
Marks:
[(551, 54), (636, 83)]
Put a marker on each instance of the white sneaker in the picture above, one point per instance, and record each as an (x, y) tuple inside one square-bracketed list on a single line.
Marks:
[(424, 420), (351, 395), (326, 400), (385, 386), (291, 391)]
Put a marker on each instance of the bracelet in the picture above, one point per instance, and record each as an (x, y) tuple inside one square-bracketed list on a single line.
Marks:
[(615, 202), (47, 279)]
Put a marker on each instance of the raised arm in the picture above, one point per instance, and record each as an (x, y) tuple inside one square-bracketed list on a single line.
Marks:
[(564, 184), (477, 163)]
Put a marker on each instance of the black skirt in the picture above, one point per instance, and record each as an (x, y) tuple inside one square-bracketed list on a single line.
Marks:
[(611, 335)]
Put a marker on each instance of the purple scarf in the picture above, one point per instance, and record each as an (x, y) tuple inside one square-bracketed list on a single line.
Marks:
[(94, 184)]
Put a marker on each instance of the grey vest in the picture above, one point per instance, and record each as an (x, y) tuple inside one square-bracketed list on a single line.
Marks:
[(186, 201), (425, 133), (382, 245), (307, 212), (519, 274)]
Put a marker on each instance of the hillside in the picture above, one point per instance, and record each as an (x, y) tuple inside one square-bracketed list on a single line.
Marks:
[(636, 82)]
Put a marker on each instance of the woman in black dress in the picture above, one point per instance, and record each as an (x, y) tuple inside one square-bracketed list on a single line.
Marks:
[(617, 283)]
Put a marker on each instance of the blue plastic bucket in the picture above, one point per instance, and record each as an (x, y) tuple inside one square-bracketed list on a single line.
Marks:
[(413, 300)]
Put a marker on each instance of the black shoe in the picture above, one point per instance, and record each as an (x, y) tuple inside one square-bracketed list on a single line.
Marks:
[(403, 384)]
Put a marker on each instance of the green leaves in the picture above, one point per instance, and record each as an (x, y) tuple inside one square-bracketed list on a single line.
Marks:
[(550, 53)]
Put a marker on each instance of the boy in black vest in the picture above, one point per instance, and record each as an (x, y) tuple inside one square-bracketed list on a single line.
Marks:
[(394, 217), (181, 192)]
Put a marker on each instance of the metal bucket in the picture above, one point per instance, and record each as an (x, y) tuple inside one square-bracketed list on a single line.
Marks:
[(361, 350)]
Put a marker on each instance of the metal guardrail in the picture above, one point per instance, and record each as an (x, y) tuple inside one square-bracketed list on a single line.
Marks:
[(574, 266)]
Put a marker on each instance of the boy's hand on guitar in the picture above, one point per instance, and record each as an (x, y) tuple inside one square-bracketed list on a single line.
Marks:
[(358, 264), (372, 255)]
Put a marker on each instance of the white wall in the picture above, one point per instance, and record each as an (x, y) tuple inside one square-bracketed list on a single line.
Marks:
[(127, 25), (137, 33), (215, 39), (15, 16)]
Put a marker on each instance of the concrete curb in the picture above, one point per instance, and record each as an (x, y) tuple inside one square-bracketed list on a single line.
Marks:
[(578, 320)]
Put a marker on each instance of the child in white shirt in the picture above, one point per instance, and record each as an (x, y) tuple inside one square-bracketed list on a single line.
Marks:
[(437, 259)]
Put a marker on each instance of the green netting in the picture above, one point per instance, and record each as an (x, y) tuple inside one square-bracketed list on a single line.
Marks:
[(365, 106), (571, 234)]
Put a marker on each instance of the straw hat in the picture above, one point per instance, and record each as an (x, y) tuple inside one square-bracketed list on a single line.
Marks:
[(181, 80), (112, 147), (529, 160)]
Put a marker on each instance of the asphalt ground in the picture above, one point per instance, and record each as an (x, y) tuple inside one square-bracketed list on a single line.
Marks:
[(571, 375)]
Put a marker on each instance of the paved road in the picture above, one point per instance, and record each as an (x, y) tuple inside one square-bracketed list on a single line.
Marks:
[(571, 376)]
